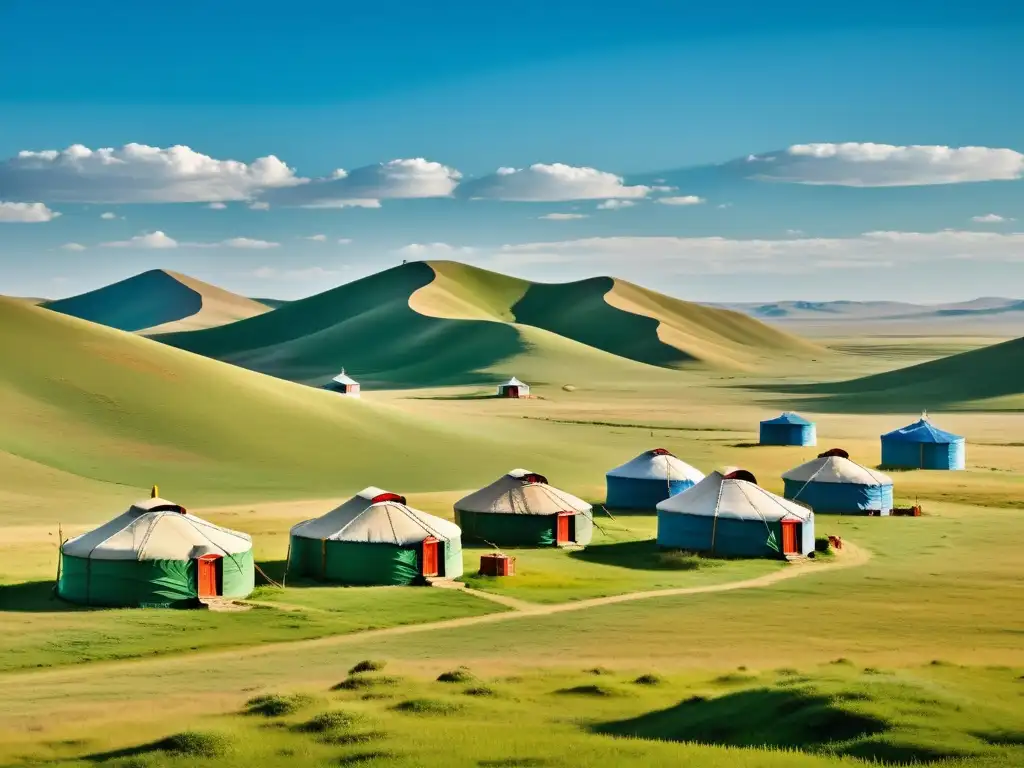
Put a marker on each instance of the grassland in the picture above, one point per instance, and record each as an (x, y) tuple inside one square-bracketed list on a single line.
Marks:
[(915, 654)]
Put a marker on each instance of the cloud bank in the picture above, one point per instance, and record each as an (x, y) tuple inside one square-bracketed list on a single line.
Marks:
[(26, 213), (550, 183), (159, 240)]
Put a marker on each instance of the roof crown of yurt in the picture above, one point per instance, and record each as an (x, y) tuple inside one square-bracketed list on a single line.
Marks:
[(643, 481), (834, 483), (521, 509), (922, 445), (729, 514), (155, 554), (375, 538), (788, 429)]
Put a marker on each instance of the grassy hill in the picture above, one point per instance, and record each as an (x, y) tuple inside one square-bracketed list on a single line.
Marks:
[(436, 323), (93, 408), (159, 301), (990, 377)]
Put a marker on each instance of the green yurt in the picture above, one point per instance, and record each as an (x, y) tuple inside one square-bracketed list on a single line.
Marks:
[(375, 538), (520, 509), (155, 555)]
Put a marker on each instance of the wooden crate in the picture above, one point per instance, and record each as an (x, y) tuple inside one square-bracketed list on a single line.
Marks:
[(914, 511), (497, 565)]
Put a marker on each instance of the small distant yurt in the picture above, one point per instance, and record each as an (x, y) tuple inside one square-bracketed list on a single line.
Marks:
[(729, 514), (344, 384), (651, 477), (375, 538), (520, 509), (514, 388), (834, 483), (155, 555), (923, 446), (788, 429)]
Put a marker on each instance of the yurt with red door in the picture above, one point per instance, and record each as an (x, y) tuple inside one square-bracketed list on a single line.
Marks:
[(375, 538), (521, 509), (730, 514), (155, 555)]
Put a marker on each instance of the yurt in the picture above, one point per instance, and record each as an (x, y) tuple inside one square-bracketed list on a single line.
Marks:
[(923, 446), (788, 429), (651, 477), (344, 384), (834, 483), (520, 509), (729, 514), (375, 538), (155, 555), (513, 388)]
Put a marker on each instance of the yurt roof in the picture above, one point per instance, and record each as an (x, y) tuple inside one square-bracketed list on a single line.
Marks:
[(521, 492), (657, 464), (836, 469), (374, 516), (788, 418), (157, 529), (344, 378), (719, 496), (921, 431), (514, 382)]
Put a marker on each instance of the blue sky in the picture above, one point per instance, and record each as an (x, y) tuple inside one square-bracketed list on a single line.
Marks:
[(643, 91)]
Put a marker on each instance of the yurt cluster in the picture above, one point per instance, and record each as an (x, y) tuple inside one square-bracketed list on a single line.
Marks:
[(158, 554)]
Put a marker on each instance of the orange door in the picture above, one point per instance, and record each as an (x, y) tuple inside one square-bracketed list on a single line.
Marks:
[(207, 581), (428, 561), (789, 545), (562, 533)]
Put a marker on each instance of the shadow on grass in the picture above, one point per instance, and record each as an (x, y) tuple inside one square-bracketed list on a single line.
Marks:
[(477, 396), (34, 597), (644, 556)]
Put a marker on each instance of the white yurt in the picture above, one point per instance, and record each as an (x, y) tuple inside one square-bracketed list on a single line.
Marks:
[(651, 477)]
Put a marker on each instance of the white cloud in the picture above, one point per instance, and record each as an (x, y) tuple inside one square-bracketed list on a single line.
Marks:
[(990, 218), (663, 189), (681, 200), (795, 232), (259, 205), (25, 213), (854, 164), (344, 241), (563, 216), (216, 206), (137, 173), (615, 204), (663, 256), (310, 273), (73, 247), (149, 241), (550, 183), (365, 187), (316, 238), (722, 206), (108, 216), (435, 250), (247, 242)]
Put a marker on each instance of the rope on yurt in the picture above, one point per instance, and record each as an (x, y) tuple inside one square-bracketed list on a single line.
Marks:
[(714, 518), (810, 479), (198, 525), (60, 558), (753, 506), (269, 580), (287, 563)]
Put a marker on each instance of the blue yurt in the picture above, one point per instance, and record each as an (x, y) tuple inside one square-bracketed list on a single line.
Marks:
[(833, 483), (923, 446), (729, 514), (788, 429), (651, 477)]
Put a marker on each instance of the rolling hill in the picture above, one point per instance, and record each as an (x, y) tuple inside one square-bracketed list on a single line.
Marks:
[(988, 378), (95, 410), (437, 323), (159, 301)]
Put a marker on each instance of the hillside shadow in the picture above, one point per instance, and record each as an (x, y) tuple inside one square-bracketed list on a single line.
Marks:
[(480, 396)]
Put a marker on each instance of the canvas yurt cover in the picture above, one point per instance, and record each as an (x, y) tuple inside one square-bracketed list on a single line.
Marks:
[(833, 483), (520, 509), (923, 446), (155, 555), (788, 429), (651, 477), (514, 388), (727, 515), (375, 538)]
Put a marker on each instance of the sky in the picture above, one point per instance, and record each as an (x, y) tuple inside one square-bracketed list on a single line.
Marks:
[(727, 153)]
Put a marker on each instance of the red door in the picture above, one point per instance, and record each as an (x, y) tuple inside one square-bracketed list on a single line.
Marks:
[(562, 535), (208, 581), (428, 562), (789, 538)]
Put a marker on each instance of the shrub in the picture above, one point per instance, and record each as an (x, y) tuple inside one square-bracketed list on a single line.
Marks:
[(591, 690), (426, 707), (823, 545), (599, 671), (274, 705), (648, 679), (325, 722), (460, 675), (359, 682), (367, 665), (194, 744), (481, 690)]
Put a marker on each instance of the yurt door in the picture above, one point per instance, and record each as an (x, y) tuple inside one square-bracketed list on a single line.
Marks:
[(428, 562), (789, 537), (563, 532), (209, 584)]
